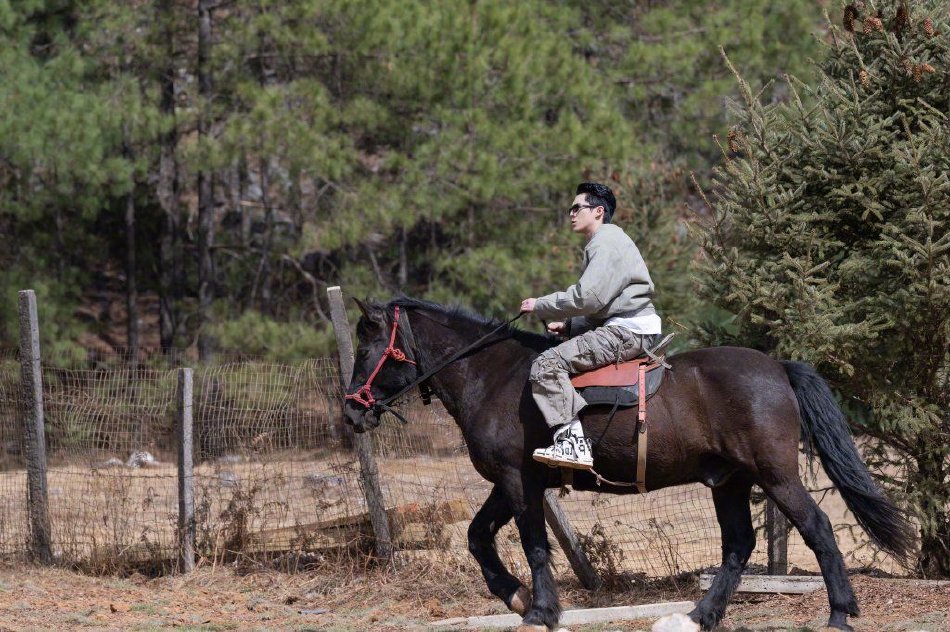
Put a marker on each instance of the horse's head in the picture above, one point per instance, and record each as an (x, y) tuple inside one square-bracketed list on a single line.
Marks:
[(384, 364)]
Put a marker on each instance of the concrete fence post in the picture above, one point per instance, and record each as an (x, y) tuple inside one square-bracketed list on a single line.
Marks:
[(34, 434), (186, 489), (776, 529), (363, 443)]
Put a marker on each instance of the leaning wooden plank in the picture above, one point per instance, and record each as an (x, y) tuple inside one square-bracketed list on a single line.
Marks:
[(788, 584), (347, 529), (576, 617)]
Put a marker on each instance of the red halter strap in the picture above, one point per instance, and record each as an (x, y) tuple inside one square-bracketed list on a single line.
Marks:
[(363, 394)]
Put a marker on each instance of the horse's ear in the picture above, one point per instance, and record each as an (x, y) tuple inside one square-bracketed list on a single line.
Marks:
[(363, 307), (371, 311)]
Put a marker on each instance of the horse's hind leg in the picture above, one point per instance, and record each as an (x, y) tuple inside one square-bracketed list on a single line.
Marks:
[(802, 510), (738, 541), (494, 514)]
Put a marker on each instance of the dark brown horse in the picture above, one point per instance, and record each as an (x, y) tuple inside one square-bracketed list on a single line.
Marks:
[(727, 417)]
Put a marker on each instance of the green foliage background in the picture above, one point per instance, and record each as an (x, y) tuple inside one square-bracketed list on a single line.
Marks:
[(416, 147)]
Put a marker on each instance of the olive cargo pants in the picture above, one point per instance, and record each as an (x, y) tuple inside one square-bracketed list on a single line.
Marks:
[(551, 371)]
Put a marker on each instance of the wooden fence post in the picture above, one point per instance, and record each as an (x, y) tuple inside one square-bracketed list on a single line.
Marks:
[(186, 486), (571, 546), (776, 530), (34, 435), (369, 472)]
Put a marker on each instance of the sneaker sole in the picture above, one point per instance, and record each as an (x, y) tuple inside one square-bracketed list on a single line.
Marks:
[(574, 465)]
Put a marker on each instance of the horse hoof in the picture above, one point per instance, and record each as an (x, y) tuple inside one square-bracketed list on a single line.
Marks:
[(839, 621), (520, 601), (703, 620)]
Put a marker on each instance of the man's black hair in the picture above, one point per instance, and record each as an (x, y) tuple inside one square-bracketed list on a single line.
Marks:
[(599, 195)]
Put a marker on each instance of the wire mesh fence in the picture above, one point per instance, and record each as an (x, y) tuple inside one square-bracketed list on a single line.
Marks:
[(275, 478)]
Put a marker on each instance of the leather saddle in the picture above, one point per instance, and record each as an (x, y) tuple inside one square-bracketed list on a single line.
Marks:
[(618, 384)]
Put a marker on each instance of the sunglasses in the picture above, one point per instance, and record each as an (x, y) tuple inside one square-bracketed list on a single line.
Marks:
[(577, 208)]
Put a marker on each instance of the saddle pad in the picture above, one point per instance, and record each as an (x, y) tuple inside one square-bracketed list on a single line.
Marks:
[(623, 374), (621, 396)]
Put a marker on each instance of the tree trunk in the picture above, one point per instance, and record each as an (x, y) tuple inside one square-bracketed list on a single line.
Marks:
[(168, 190), (263, 277), (267, 280), (375, 264), (295, 201), (205, 185), (131, 290), (246, 214), (60, 244), (403, 260), (935, 540)]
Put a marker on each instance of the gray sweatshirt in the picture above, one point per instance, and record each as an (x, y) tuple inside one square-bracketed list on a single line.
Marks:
[(614, 282)]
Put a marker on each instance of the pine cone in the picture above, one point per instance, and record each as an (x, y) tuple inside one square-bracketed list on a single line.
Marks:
[(927, 68), (850, 13), (865, 79), (929, 27), (733, 138), (901, 20), (917, 72), (873, 24), (908, 67)]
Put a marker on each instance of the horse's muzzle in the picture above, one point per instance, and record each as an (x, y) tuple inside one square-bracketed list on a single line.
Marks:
[(361, 418)]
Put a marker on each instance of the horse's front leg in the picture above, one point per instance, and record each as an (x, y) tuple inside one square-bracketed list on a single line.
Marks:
[(494, 514), (545, 610)]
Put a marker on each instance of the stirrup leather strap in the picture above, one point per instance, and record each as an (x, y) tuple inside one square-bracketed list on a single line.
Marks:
[(640, 436), (642, 431)]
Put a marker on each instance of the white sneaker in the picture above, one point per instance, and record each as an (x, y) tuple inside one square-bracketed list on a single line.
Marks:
[(571, 449)]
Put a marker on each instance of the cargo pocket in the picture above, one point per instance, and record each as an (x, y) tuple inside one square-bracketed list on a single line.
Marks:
[(588, 355)]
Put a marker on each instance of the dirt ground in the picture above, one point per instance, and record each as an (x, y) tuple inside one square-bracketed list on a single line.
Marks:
[(226, 598)]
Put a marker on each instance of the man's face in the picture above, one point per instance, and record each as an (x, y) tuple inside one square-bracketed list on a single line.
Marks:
[(585, 220)]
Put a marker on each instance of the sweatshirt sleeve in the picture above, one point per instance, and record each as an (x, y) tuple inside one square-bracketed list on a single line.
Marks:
[(599, 285)]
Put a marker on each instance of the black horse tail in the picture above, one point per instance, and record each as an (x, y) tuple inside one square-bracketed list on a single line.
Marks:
[(824, 426)]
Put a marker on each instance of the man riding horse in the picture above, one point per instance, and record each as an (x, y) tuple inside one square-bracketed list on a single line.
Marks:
[(726, 417), (608, 316)]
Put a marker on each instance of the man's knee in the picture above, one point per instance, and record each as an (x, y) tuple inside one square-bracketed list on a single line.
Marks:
[(545, 366)]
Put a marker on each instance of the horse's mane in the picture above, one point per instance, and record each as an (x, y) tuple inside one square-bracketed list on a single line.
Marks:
[(530, 339)]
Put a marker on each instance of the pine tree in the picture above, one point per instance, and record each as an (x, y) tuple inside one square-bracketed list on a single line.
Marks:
[(830, 240), (383, 145), (69, 121), (663, 59)]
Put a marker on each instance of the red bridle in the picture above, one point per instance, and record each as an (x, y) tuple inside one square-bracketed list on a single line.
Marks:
[(363, 394)]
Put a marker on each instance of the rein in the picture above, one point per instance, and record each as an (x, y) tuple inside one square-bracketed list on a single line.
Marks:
[(391, 351)]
